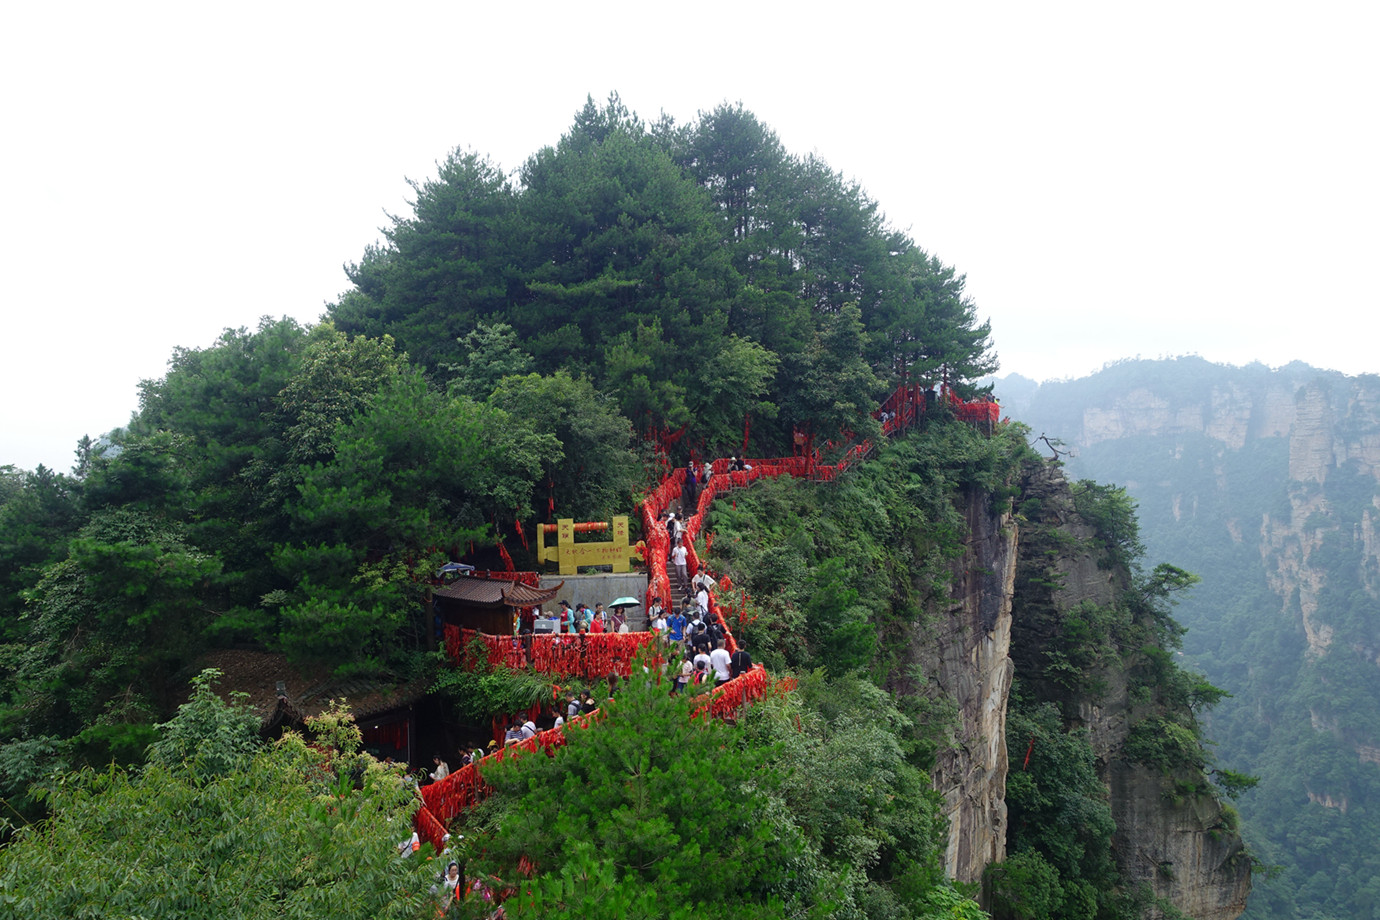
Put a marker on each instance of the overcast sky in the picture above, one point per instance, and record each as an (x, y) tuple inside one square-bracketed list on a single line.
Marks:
[(1114, 179)]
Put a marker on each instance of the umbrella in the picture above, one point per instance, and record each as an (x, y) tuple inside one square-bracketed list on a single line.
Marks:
[(455, 567), (625, 602)]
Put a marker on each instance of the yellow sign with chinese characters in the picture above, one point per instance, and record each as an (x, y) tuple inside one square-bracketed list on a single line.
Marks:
[(571, 555)]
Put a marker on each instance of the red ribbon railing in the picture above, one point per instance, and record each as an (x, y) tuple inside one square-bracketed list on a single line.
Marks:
[(596, 655)]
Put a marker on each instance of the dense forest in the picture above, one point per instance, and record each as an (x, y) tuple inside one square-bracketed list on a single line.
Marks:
[(1267, 480), (507, 354), (515, 349)]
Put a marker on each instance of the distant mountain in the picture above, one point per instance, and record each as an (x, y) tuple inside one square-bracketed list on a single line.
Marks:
[(1264, 482)]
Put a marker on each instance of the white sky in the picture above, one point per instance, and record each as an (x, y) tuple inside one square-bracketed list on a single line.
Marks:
[(1115, 179)]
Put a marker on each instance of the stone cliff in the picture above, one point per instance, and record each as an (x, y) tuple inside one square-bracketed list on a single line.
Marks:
[(1180, 844), (1180, 847), (1266, 482), (966, 652)]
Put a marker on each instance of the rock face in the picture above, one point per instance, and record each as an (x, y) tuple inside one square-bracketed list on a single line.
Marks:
[(1180, 848), (966, 653), (1181, 845), (1183, 848), (1267, 483)]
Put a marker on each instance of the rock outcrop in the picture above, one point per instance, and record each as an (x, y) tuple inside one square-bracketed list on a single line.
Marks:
[(967, 655), (1172, 834)]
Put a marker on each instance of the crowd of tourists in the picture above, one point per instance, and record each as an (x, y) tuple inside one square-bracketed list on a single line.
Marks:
[(694, 651)]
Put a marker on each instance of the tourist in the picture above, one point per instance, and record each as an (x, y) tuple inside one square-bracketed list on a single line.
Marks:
[(741, 661), (687, 671), (699, 637), (679, 556), (689, 490), (442, 768), (675, 627), (719, 660), (703, 580), (450, 883), (702, 666)]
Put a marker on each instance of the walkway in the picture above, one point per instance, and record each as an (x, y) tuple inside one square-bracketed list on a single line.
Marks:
[(601, 654)]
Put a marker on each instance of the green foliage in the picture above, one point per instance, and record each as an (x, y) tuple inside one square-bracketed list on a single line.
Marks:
[(1112, 513), (39, 512), (835, 389), (1268, 548), (697, 274), (1164, 743), (412, 479), (1024, 887), (853, 786), (109, 626), (24, 763), (1061, 824), (274, 835), (835, 573), (491, 353), (208, 737), (591, 469), (666, 801), (477, 695)]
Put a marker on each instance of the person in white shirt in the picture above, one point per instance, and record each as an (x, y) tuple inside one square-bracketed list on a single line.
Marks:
[(721, 662), (687, 672), (679, 554), (442, 768), (702, 666)]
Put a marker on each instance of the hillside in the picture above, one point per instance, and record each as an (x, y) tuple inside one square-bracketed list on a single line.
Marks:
[(1264, 483), (987, 697)]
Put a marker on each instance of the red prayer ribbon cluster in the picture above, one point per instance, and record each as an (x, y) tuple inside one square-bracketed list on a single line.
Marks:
[(596, 655)]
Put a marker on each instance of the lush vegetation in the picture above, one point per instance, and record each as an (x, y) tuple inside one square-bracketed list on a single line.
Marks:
[(1115, 652), (513, 350), (216, 825), (833, 578), (1224, 498), (813, 807), (517, 349)]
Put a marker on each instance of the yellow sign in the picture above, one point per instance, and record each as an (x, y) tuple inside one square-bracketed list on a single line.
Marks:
[(571, 555)]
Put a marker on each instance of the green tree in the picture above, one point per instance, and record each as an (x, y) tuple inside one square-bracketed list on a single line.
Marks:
[(592, 470), (491, 353), (833, 389), (414, 478), (646, 798), (871, 820), (110, 626), (280, 833), (208, 737), (39, 512), (1058, 810), (456, 260)]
